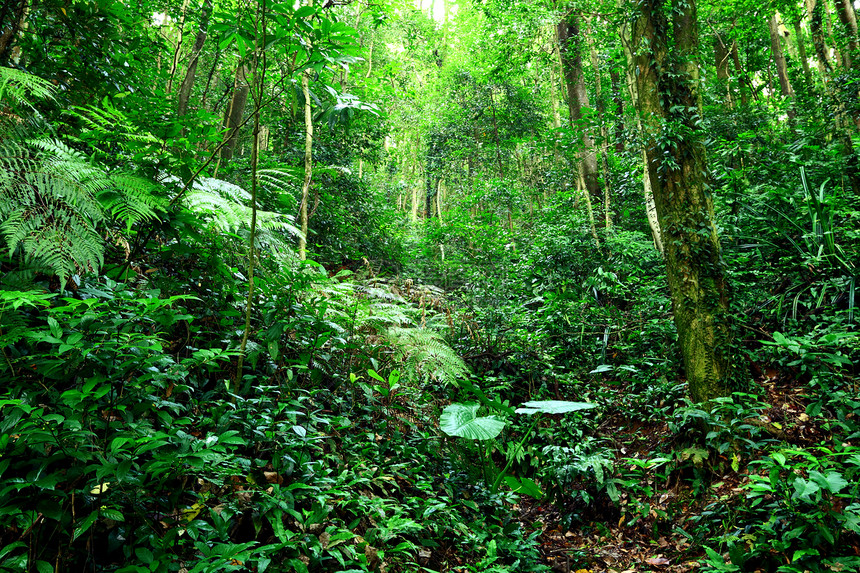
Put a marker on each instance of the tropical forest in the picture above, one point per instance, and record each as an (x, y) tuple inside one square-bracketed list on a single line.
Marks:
[(429, 286)]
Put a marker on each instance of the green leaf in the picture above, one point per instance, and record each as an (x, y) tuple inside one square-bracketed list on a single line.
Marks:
[(85, 525), (803, 489), (552, 407), (44, 567), (56, 330), (144, 554), (113, 514), (526, 486), (461, 420), (832, 482)]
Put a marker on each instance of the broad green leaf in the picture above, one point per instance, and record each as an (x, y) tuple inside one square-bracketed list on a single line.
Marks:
[(832, 482), (461, 420), (85, 524), (552, 407), (803, 489), (526, 486)]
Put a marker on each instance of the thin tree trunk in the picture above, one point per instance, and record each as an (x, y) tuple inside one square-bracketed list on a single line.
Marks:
[(439, 201), (12, 19), (631, 69), (742, 83), (178, 52), (779, 57), (496, 135), (580, 187), (601, 113), (235, 111), (845, 8), (306, 185), (801, 52), (570, 48), (618, 101), (721, 60), (191, 70), (816, 28), (260, 80), (369, 59)]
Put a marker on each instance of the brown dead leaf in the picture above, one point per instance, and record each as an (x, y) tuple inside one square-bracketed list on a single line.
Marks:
[(659, 560)]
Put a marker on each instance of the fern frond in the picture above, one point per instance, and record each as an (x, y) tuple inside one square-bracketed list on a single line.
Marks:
[(105, 123), (281, 180), (53, 199), (425, 355), (227, 206), (21, 88), (131, 199)]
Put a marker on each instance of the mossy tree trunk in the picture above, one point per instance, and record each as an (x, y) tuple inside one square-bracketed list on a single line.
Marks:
[(570, 48), (665, 53)]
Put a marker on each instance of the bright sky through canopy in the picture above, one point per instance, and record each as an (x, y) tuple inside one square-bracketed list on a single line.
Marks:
[(438, 8)]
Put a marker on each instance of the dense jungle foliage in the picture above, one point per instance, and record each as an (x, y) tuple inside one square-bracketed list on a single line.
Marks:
[(468, 286)]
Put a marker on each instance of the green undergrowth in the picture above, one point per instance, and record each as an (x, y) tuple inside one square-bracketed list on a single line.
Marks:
[(126, 448)]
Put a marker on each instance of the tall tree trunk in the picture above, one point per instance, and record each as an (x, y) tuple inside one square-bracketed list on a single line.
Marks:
[(618, 112), (665, 46), (260, 81), (601, 113), (306, 185), (178, 51), (570, 48), (742, 82), (779, 57), (191, 70), (12, 19), (721, 61), (235, 111), (627, 39), (845, 8), (816, 28), (801, 52)]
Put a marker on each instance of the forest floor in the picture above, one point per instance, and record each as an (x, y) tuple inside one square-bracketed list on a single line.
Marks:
[(653, 534)]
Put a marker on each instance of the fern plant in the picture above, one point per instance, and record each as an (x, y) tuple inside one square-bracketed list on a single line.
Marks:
[(20, 89), (55, 203), (227, 207), (425, 354)]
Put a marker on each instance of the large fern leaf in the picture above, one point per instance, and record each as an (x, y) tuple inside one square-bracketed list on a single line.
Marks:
[(20, 88), (227, 206), (53, 201)]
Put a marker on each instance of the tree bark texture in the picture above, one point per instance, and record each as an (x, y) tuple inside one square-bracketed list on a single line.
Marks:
[(779, 57), (664, 49), (11, 17), (191, 70), (178, 51), (306, 185), (739, 70), (801, 52), (618, 112), (235, 111), (845, 8), (570, 49), (721, 61), (627, 40), (816, 28)]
